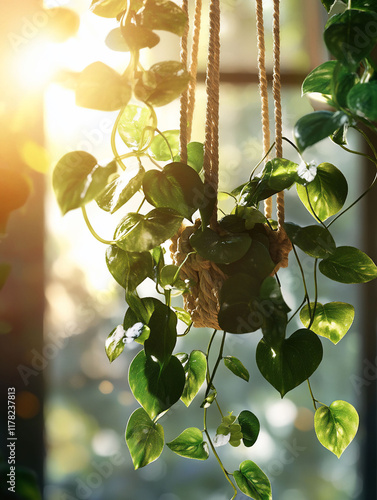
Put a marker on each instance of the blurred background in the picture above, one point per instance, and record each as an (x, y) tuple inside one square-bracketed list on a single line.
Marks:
[(59, 302)]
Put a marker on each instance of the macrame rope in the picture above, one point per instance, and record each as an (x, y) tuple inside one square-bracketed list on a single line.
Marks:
[(194, 66), (184, 96), (276, 90), (263, 89), (211, 145)]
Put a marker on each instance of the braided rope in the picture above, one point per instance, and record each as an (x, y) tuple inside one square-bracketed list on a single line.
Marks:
[(263, 90), (276, 90), (194, 66), (184, 96), (211, 144)]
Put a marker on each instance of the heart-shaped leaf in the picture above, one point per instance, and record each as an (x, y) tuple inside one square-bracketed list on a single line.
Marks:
[(120, 190), (252, 481), (134, 327), (162, 83), (138, 37), (111, 8), (319, 80), (336, 426), (343, 81), (140, 233), (294, 361), (316, 126), (195, 155), (156, 388), (163, 15), (115, 41), (235, 366), (190, 444), (177, 186), (144, 439), (316, 241), (327, 192), (165, 146), (348, 265), (129, 269), (228, 432), (362, 100), (250, 427), (101, 87), (332, 320), (135, 126), (115, 343), (220, 249), (163, 333), (195, 369), (78, 179), (349, 37)]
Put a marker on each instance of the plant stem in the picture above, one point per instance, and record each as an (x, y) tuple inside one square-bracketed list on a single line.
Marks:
[(312, 396), (167, 143), (113, 142), (219, 358), (303, 280), (315, 293), (90, 227), (226, 474), (297, 310)]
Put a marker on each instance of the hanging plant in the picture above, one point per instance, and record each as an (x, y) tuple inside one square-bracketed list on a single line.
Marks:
[(227, 269)]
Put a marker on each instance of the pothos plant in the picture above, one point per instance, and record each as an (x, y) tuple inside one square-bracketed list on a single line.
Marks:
[(250, 298)]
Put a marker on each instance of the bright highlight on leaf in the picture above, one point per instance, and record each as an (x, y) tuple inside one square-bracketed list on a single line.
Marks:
[(252, 481), (145, 440), (190, 444), (332, 320), (336, 426)]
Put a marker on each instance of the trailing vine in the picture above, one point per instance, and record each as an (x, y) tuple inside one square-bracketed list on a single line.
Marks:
[(241, 247)]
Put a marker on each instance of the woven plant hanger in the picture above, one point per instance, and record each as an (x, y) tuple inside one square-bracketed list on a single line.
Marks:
[(203, 300)]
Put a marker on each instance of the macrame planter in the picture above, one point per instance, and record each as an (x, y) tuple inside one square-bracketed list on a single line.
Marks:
[(202, 302)]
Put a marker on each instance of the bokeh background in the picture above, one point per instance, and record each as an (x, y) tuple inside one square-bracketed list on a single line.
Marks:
[(60, 303)]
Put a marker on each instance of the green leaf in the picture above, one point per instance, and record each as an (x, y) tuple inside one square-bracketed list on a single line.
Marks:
[(161, 151), (256, 262), (134, 328), (108, 8), (78, 179), (319, 80), (195, 155), (195, 370), (294, 361), (162, 83), (220, 249), (129, 269), (250, 427), (235, 366), (252, 481), (277, 175), (251, 216), (163, 15), (316, 126), (228, 432), (163, 333), (138, 37), (4, 273), (190, 444), (349, 38), (332, 320), (239, 312), (343, 81), (348, 265), (328, 4), (142, 308), (144, 439), (115, 41), (101, 87), (232, 223), (316, 241), (156, 388), (368, 5), (177, 186), (183, 315), (120, 190), (133, 126), (336, 426), (362, 100), (140, 233), (115, 343), (327, 192)]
